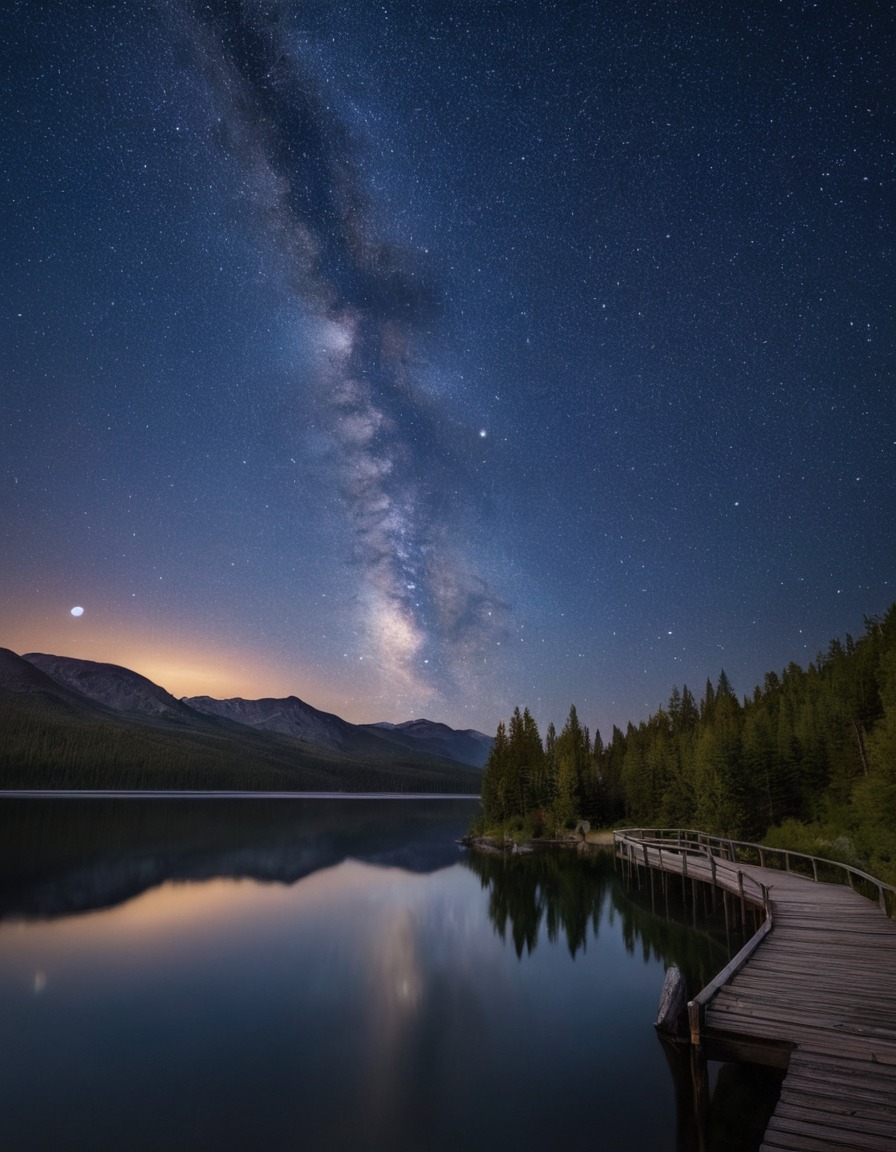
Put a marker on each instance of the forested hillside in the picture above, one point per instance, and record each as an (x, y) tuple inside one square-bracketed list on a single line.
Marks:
[(808, 760)]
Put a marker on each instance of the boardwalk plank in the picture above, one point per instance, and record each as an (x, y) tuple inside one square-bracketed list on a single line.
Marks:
[(824, 1136), (824, 981), (872, 1106), (852, 1122)]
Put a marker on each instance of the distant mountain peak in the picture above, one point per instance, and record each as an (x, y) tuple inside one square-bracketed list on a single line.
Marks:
[(466, 747), (287, 715), (110, 684)]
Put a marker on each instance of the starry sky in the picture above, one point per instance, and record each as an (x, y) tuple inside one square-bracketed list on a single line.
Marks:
[(427, 359)]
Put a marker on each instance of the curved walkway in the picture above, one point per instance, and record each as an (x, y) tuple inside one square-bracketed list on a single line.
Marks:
[(820, 982)]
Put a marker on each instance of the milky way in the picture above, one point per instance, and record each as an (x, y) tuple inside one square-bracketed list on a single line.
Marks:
[(423, 613)]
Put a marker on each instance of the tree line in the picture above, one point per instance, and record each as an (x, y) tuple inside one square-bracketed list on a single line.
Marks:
[(807, 761)]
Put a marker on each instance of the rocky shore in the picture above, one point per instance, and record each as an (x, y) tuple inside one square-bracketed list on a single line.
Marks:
[(496, 846)]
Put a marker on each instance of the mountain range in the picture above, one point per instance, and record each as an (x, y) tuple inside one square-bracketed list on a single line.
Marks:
[(78, 723), (293, 717)]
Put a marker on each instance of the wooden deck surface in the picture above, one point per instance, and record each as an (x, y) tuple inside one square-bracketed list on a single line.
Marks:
[(824, 981)]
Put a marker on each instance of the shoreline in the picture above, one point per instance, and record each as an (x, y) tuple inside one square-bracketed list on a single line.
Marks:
[(208, 794), (492, 846)]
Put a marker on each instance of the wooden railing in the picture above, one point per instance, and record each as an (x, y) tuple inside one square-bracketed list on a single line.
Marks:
[(647, 845), (783, 859), (720, 857), (638, 846)]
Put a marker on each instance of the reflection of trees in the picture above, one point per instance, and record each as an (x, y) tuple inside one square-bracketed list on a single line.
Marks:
[(555, 888), (562, 891)]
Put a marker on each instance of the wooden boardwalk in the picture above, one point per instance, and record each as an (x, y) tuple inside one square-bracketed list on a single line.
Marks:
[(815, 992)]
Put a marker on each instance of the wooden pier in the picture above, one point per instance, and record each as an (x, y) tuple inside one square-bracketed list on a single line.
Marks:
[(813, 990)]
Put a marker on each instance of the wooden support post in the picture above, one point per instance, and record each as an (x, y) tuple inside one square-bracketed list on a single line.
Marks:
[(743, 903), (700, 1078)]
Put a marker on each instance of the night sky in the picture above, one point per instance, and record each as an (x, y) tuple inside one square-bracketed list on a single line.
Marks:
[(430, 357)]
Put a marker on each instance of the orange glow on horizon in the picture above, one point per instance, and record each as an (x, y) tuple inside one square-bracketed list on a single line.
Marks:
[(175, 658), (186, 661)]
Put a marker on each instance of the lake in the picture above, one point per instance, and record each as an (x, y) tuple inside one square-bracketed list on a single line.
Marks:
[(328, 974)]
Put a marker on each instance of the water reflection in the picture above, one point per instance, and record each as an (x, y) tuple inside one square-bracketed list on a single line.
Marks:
[(59, 857), (550, 891), (554, 894), (328, 974)]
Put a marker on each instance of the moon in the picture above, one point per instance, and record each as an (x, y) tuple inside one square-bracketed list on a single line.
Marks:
[(77, 611)]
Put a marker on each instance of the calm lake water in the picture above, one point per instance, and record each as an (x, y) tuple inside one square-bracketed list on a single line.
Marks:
[(324, 974)]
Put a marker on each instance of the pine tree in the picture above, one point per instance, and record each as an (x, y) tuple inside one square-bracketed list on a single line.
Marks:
[(494, 780), (572, 753), (690, 713), (534, 764)]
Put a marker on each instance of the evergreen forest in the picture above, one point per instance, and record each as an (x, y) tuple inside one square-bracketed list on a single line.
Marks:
[(807, 762)]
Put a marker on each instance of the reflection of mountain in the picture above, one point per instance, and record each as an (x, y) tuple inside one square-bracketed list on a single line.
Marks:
[(59, 857)]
